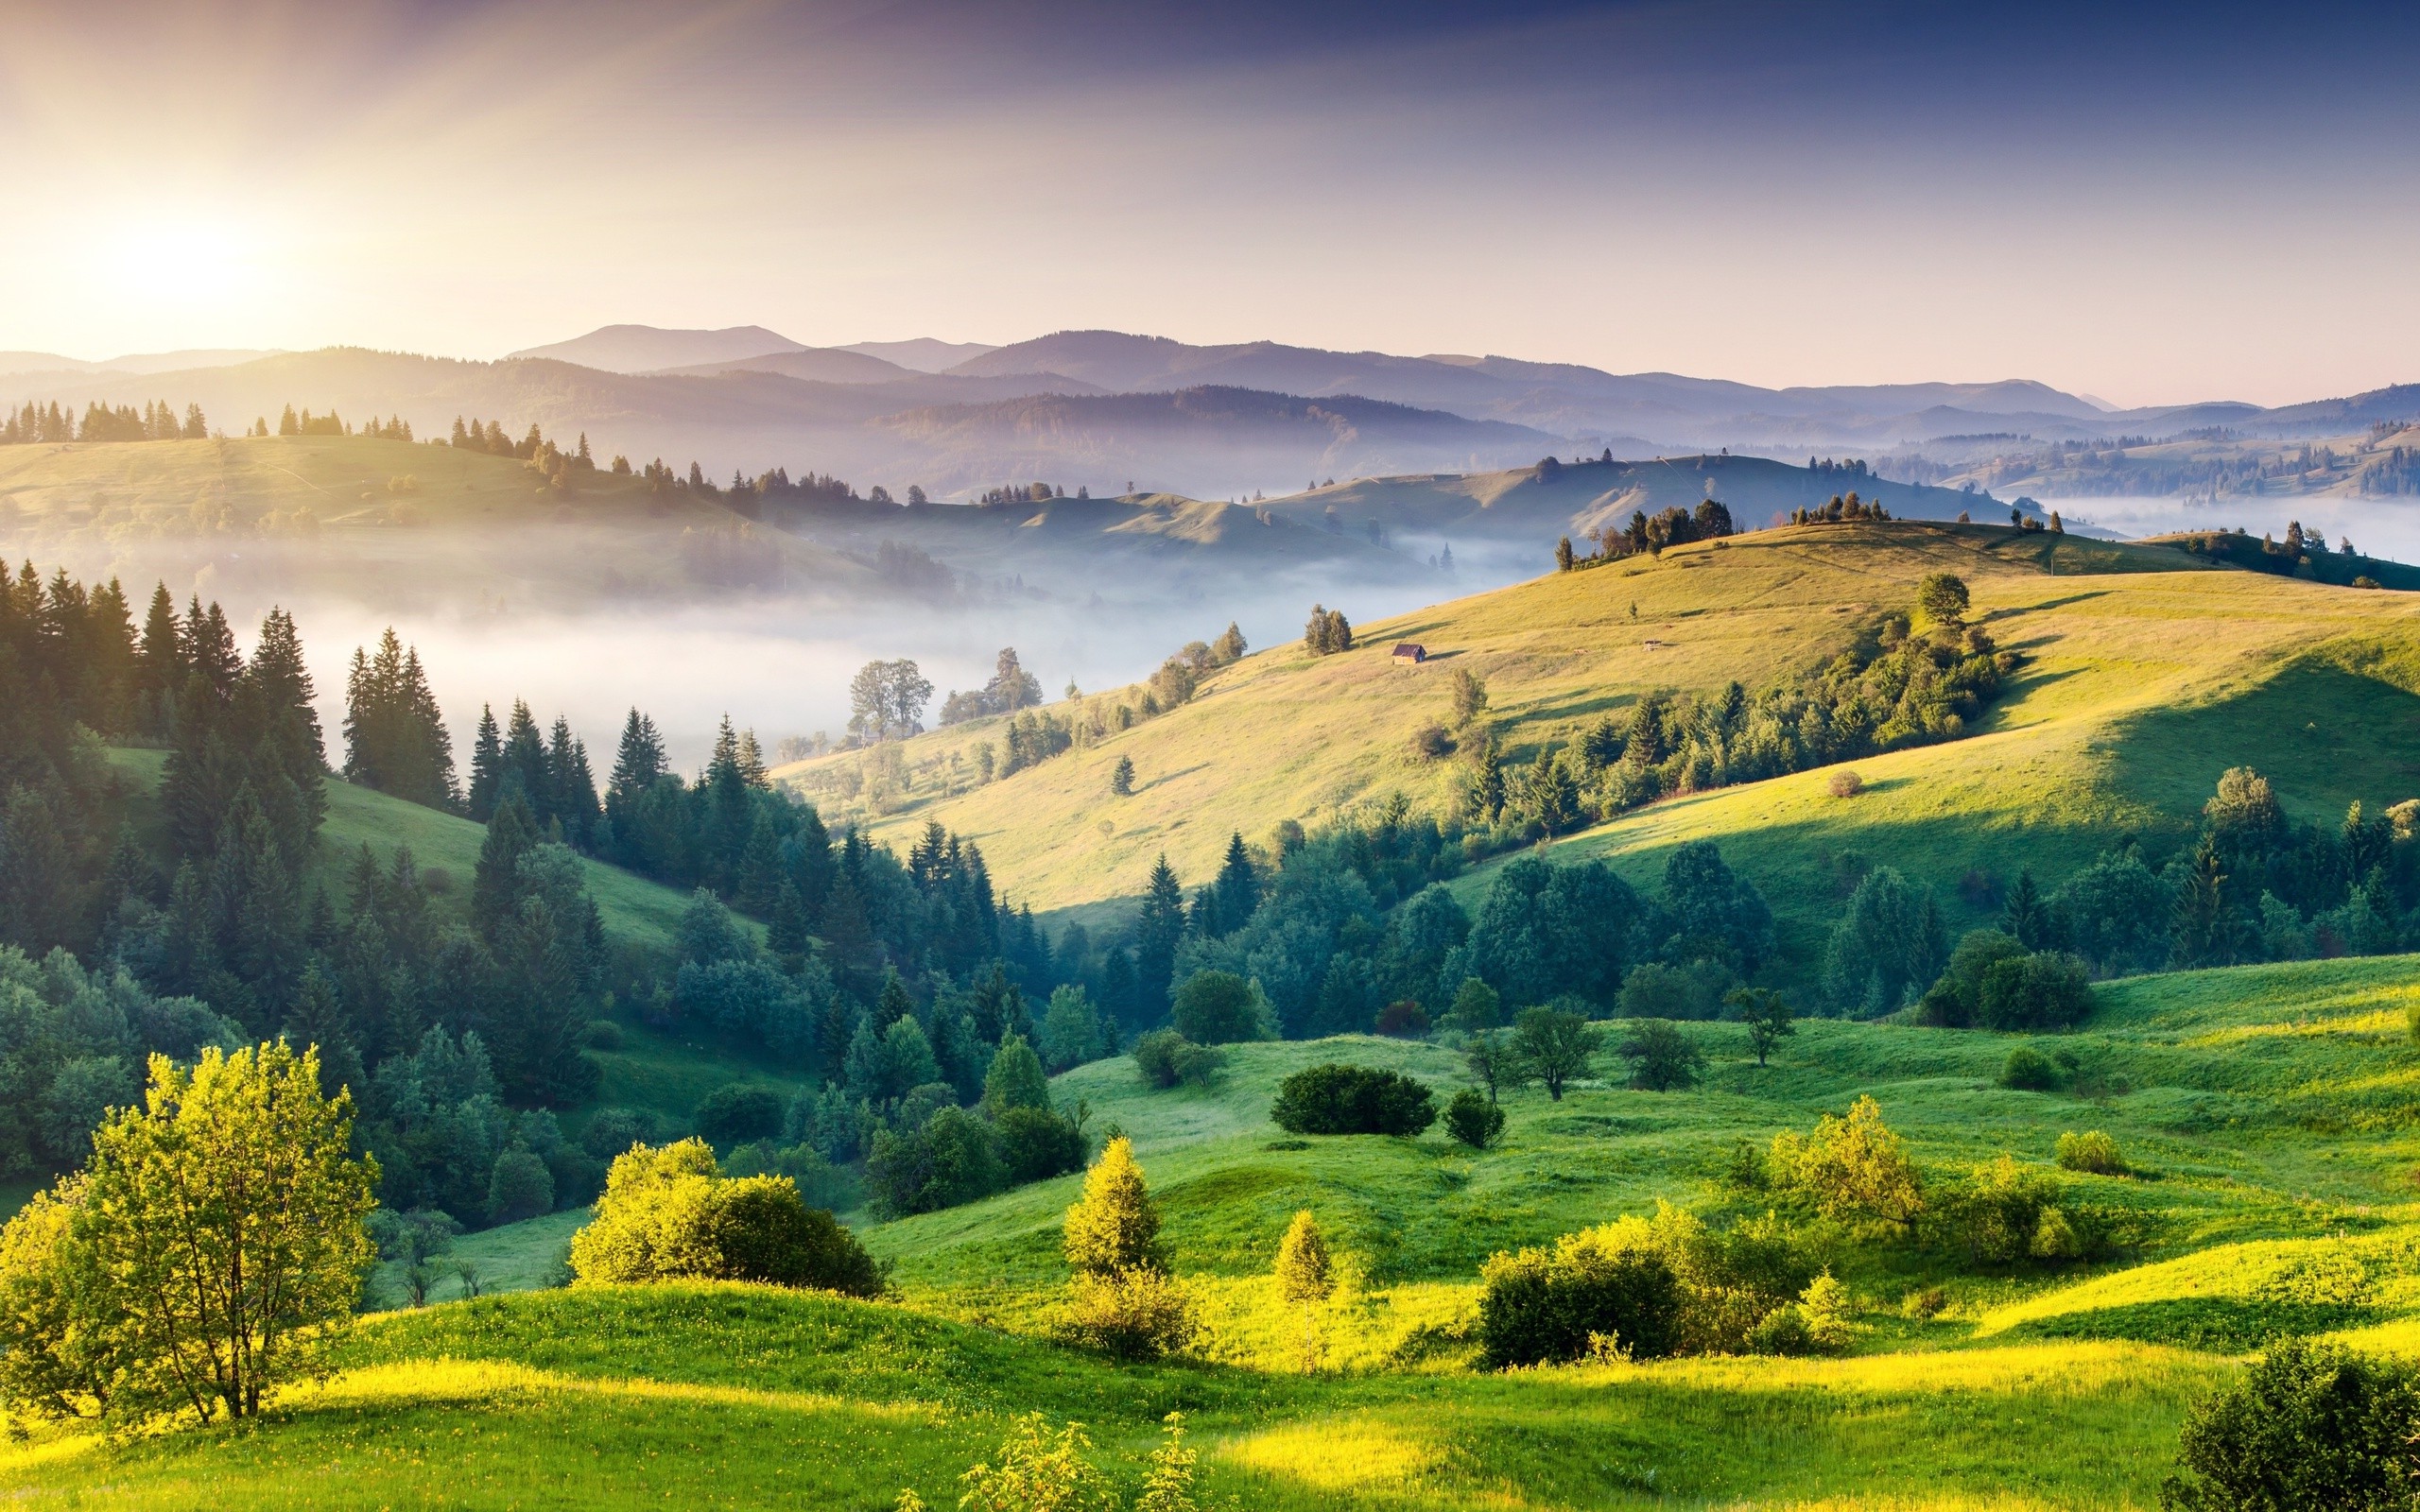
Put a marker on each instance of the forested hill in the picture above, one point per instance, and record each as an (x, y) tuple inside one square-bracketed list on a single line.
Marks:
[(2111, 723)]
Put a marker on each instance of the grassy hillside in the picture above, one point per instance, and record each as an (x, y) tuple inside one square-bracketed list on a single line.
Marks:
[(2147, 674), (2264, 1109)]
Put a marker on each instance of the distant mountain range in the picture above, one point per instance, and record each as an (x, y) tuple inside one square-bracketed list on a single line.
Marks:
[(1106, 409)]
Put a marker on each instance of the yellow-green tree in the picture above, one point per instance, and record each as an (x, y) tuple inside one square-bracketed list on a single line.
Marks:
[(1115, 1226), (1305, 1277), (1852, 1167), (225, 1223)]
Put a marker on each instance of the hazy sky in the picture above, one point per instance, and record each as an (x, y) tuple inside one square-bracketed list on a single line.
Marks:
[(2146, 203)]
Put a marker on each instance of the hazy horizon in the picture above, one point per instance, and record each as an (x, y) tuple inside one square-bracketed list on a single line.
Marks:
[(1876, 193)]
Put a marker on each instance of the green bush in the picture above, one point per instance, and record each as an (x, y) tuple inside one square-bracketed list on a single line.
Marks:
[(2028, 1070), (1139, 1314), (2047, 990), (2309, 1426), (1037, 1144), (611, 1130), (1474, 1119), (954, 1158), (1155, 1055), (2007, 1214), (602, 1034), (1542, 1305), (1339, 1099), (668, 1213), (2091, 1151), (1955, 1000), (1196, 1065), (735, 1113), (519, 1187)]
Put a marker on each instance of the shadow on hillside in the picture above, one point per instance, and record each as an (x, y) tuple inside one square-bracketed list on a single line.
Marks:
[(2221, 1325), (1996, 615), (2321, 735)]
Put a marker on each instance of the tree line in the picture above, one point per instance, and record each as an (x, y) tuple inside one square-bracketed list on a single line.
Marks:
[(32, 424)]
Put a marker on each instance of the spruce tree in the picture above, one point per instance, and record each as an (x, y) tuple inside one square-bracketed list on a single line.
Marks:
[(495, 889), (487, 768), (1114, 1229), (1238, 886), (525, 763), (1157, 933), (160, 666), (639, 762)]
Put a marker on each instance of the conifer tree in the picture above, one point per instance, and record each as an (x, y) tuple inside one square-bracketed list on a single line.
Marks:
[(1238, 886), (1115, 1227), (160, 666), (495, 888), (639, 762), (486, 767), (1305, 1277), (1157, 933)]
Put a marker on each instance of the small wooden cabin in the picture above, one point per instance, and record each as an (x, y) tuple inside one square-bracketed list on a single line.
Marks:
[(1411, 652)]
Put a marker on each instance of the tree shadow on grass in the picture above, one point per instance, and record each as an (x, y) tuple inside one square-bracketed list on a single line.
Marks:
[(2221, 1325)]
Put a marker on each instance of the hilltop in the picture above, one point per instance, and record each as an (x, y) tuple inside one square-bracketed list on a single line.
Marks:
[(2115, 723)]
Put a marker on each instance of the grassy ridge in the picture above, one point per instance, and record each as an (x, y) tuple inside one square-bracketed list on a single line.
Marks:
[(2147, 675)]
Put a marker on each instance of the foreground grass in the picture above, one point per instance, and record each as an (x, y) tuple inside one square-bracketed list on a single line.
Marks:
[(739, 1395)]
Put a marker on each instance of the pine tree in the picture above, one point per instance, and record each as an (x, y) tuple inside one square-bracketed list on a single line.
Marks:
[(571, 797), (1122, 777), (1238, 886), (1115, 1227), (640, 760), (1157, 933), (495, 888), (1305, 1277), (487, 768), (525, 764), (1487, 793), (160, 666)]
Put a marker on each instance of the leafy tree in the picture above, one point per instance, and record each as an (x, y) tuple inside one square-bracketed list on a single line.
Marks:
[(2310, 1424), (736, 1112), (1015, 1079), (1886, 949), (225, 1217), (520, 1187), (1305, 1277), (2043, 990), (1941, 599), (946, 1159), (1036, 1144), (1477, 1008), (1493, 1061), (1216, 1009), (1071, 1028), (1115, 1227), (1553, 1044), (1767, 1015), (1706, 901), (1851, 1167), (1474, 1119), (1663, 1057), (1955, 1000)]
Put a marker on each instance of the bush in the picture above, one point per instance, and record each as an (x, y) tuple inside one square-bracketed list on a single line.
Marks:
[(1851, 1167), (1037, 1144), (601, 1034), (1542, 1305), (1955, 999), (2091, 1151), (1131, 1314), (2028, 1070), (1474, 1119), (1197, 1064), (1155, 1055), (2007, 1214), (670, 1213), (1338, 1099), (953, 1158), (1402, 1020), (1844, 784), (1216, 1008), (735, 1113), (519, 1187), (1661, 1057), (2310, 1425), (2043, 990)]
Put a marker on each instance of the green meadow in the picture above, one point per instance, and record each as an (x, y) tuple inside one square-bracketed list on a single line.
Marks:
[(2263, 1110)]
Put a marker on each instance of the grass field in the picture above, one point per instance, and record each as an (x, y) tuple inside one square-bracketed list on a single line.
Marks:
[(2146, 676), (2265, 1111)]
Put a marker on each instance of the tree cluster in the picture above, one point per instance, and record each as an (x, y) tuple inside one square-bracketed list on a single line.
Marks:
[(156, 421), (1327, 633)]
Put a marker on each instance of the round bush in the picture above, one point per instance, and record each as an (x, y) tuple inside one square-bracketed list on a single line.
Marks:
[(1474, 1119), (1037, 1144), (1338, 1099), (735, 1113), (2091, 1151), (612, 1131), (1216, 1008), (1155, 1055), (2310, 1425), (2043, 990), (2029, 1071), (1845, 783), (1541, 1305), (519, 1187), (764, 1231), (602, 1034)]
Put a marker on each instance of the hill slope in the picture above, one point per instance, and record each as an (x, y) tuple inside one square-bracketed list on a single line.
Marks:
[(2147, 674)]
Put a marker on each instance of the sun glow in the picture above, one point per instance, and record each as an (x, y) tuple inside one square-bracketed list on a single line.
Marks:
[(200, 259)]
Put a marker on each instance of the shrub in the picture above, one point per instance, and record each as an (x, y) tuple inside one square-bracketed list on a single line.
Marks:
[(1155, 1055), (2045, 990), (671, 1213), (1955, 1000), (1038, 1143), (735, 1113), (1661, 1057), (952, 1158), (2091, 1151), (1402, 1020), (602, 1034), (1133, 1315), (2006, 1214), (1844, 784), (1216, 1008), (1478, 1009), (2310, 1425), (1474, 1119), (1431, 743), (1197, 1064), (1542, 1305), (2028, 1070), (1339, 1099)]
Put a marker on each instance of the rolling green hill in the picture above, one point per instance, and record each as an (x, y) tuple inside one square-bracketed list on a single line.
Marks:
[(2146, 673), (2263, 1110)]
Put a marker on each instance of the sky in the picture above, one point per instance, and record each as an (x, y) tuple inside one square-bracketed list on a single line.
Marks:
[(2146, 203)]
